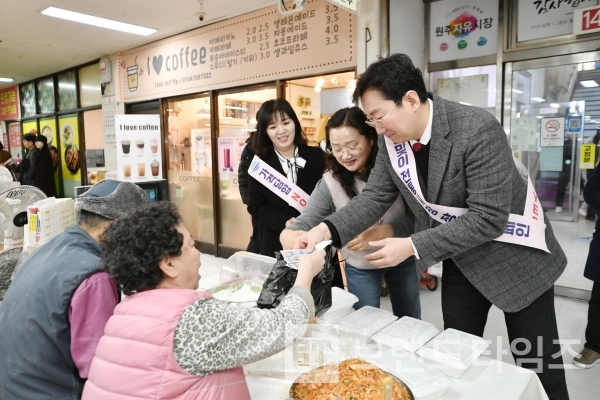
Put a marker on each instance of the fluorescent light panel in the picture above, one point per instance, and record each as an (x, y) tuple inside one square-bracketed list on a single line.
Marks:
[(591, 83), (538, 99), (97, 21), (6, 79)]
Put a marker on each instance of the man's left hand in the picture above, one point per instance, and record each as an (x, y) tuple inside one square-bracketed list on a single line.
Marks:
[(393, 251)]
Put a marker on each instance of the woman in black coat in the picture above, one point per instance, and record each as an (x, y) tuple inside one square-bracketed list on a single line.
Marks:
[(590, 355), (280, 142), (44, 168)]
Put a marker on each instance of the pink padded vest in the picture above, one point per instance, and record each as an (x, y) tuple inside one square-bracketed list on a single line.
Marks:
[(135, 359)]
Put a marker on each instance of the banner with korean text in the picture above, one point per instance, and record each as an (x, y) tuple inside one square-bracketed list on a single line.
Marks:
[(256, 47), (9, 103), (463, 29)]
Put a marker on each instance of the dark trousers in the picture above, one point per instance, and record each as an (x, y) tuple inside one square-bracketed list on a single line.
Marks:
[(563, 181), (466, 309), (254, 245), (592, 332)]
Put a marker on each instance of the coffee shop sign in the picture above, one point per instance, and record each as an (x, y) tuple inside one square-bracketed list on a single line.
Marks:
[(184, 59)]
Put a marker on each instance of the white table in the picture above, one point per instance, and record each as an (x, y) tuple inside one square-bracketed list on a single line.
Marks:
[(488, 378)]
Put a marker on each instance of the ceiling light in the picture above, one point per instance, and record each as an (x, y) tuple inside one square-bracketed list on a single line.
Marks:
[(97, 21), (317, 88), (591, 83), (334, 80), (320, 82), (555, 105), (236, 108), (517, 91), (538, 99), (6, 79)]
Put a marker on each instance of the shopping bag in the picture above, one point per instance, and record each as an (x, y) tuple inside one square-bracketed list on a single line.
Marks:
[(282, 278)]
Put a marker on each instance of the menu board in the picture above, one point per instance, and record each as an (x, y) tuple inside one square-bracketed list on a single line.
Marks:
[(139, 153), (69, 153), (256, 47)]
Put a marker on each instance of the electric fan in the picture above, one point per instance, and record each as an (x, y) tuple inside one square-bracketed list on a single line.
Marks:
[(13, 212)]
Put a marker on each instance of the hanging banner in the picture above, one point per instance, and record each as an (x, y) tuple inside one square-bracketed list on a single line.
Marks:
[(9, 103), (14, 136), (139, 153), (543, 19), (48, 129), (553, 132), (253, 48), (69, 153), (463, 29), (587, 156), (586, 20)]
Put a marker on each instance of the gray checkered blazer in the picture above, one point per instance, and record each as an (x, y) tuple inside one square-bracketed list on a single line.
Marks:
[(470, 166)]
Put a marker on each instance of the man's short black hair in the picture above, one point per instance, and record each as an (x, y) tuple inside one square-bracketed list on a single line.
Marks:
[(391, 76)]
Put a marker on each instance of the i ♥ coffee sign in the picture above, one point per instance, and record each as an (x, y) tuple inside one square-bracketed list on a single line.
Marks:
[(253, 48), (139, 155)]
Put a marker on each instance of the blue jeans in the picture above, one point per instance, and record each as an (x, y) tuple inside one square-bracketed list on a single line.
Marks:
[(402, 283)]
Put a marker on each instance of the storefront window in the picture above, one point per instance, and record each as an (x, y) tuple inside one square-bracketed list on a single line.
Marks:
[(474, 86), (237, 117), (189, 165), (89, 86), (27, 100), (67, 91), (45, 88)]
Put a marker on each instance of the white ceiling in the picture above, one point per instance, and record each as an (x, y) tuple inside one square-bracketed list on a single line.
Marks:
[(33, 45)]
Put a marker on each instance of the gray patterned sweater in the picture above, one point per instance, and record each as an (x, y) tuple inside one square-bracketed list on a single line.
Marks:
[(213, 335)]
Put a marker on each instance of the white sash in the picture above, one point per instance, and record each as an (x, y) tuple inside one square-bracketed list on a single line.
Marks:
[(525, 230), (278, 184)]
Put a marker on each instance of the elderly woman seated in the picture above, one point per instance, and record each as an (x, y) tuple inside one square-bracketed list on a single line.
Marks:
[(167, 340)]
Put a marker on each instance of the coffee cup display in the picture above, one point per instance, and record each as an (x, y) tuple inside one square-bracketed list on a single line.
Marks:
[(140, 146), (154, 146), (126, 145), (141, 169), (154, 165), (126, 170)]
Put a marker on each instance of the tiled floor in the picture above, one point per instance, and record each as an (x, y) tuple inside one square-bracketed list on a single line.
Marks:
[(574, 238), (571, 317)]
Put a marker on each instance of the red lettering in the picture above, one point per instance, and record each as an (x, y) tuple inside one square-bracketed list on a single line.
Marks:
[(302, 202), (295, 196)]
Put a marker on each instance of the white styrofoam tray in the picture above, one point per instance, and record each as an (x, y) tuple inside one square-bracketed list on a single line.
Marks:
[(262, 388), (364, 323), (408, 333), (325, 325), (453, 351), (341, 303)]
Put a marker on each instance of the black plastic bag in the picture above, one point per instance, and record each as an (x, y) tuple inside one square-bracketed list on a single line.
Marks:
[(282, 278)]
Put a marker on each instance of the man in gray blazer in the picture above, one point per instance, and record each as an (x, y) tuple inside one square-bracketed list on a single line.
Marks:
[(463, 160)]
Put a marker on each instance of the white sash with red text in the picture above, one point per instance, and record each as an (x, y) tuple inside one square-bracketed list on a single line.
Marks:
[(278, 184), (525, 230)]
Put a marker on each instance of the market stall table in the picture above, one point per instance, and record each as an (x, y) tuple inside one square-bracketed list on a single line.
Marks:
[(487, 377)]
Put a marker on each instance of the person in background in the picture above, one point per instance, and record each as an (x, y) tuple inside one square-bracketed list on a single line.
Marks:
[(243, 182), (280, 143), (44, 170), (55, 310), (27, 166), (458, 156), (168, 339), (590, 355), (4, 155), (54, 153), (351, 152)]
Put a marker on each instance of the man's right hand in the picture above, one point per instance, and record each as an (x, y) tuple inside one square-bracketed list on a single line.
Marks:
[(309, 239)]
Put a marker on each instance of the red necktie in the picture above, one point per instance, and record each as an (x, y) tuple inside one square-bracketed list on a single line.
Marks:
[(417, 146)]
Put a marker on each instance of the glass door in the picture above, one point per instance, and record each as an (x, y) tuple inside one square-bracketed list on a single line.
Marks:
[(551, 110), (189, 166), (237, 119)]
